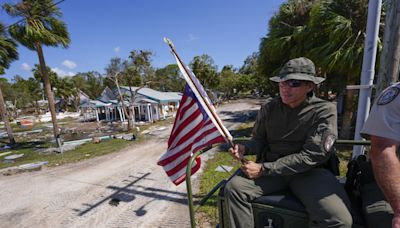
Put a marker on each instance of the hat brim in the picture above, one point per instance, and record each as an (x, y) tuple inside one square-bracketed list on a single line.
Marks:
[(297, 76)]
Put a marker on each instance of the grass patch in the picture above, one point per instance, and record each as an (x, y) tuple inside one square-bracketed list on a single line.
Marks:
[(89, 150), (344, 154), (82, 152), (210, 177)]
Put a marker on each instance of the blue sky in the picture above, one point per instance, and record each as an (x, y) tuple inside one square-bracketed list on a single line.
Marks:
[(227, 30)]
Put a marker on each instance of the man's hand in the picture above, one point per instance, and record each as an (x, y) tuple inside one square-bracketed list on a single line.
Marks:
[(396, 221), (237, 152), (252, 170)]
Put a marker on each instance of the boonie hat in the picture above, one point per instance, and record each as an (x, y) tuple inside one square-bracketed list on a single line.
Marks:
[(299, 69)]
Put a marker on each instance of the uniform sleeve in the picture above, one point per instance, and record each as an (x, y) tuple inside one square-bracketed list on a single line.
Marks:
[(258, 142), (316, 149), (384, 121)]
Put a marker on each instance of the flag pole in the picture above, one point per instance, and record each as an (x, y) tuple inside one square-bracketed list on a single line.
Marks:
[(214, 118), (225, 132)]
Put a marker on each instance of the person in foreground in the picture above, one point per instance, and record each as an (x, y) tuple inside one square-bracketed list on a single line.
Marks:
[(292, 137), (383, 128)]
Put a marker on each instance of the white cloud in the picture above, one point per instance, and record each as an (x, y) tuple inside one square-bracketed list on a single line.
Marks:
[(62, 73), (69, 64), (192, 37), (117, 49), (26, 67), (71, 74)]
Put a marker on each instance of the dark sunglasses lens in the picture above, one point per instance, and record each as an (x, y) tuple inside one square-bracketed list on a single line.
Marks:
[(295, 83)]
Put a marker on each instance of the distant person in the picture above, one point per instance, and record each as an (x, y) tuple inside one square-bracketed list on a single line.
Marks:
[(292, 137), (383, 128)]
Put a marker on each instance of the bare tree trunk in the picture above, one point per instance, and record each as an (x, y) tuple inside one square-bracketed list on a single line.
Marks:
[(76, 104), (36, 105), (47, 89), (390, 57), (131, 117), (133, 96), (15, 110), (4, 115), (123, 104)]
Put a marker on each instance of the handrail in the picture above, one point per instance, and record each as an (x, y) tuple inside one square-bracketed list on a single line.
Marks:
[(205, 198), (352, 142)]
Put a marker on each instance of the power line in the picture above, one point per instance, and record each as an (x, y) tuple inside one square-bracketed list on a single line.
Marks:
[(6, 27)]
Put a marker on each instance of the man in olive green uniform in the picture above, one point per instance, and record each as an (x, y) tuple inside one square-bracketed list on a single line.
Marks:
[(292, 138)]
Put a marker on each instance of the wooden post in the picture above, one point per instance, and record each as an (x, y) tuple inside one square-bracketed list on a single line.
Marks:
[(390, 57)]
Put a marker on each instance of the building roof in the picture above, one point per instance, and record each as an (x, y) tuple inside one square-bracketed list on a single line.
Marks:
[(155, 95), (94, 104), (107, 94), (145, 96), (145, 100)]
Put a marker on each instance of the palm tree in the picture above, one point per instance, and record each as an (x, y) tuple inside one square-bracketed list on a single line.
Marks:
[(283, 42), (331, 33), (39, 25), (8, 53), (341, 25), (205, 70)]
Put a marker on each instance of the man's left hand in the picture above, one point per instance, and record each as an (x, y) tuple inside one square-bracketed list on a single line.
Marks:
[(252, 170)]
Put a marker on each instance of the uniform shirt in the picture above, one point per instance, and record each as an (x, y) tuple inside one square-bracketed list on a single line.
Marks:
[(384, 118), (293, 140)]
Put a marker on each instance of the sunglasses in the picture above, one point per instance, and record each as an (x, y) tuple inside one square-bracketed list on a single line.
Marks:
[(293, 83)]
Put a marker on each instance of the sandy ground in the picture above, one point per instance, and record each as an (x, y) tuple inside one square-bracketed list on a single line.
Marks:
[(84, 194)]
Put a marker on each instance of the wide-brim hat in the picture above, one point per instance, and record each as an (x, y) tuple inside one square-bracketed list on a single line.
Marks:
[(299, 69)]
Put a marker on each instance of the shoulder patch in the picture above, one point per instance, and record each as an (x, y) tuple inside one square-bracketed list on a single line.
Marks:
[(388, 96), (329, 141)]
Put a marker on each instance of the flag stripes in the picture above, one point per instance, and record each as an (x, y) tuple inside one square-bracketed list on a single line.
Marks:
[(192, 131)]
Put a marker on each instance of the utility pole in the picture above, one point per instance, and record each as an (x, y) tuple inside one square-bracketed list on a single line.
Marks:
[(390, 57)]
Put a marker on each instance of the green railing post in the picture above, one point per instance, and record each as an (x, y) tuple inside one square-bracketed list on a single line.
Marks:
[(189, 188)]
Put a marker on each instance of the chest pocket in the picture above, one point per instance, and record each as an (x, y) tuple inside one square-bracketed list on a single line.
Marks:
[(289, 125)]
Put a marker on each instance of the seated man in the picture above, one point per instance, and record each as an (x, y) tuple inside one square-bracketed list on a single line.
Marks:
[(292, 138)]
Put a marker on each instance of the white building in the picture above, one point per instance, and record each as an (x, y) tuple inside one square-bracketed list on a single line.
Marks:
[(148, 106)]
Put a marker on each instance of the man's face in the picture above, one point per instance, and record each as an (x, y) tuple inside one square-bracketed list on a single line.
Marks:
[(294, 92)]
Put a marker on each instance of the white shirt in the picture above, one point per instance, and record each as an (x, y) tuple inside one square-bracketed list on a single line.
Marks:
[(384, 118)]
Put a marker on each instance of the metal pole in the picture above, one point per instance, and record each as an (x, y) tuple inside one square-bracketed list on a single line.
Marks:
[(368, 70), (189, 188)]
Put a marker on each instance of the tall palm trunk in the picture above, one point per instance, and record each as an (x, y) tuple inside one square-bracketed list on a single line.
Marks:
[(349, 109), (47, 89), (4, 115)]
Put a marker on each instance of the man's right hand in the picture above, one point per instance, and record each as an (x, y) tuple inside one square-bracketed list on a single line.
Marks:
[(237, 152), (396, 221)]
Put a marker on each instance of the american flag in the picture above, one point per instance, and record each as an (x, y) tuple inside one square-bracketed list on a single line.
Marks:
[(193, 130)]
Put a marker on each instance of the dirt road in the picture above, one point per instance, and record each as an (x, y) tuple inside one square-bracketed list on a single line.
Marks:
[(123, 189)]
